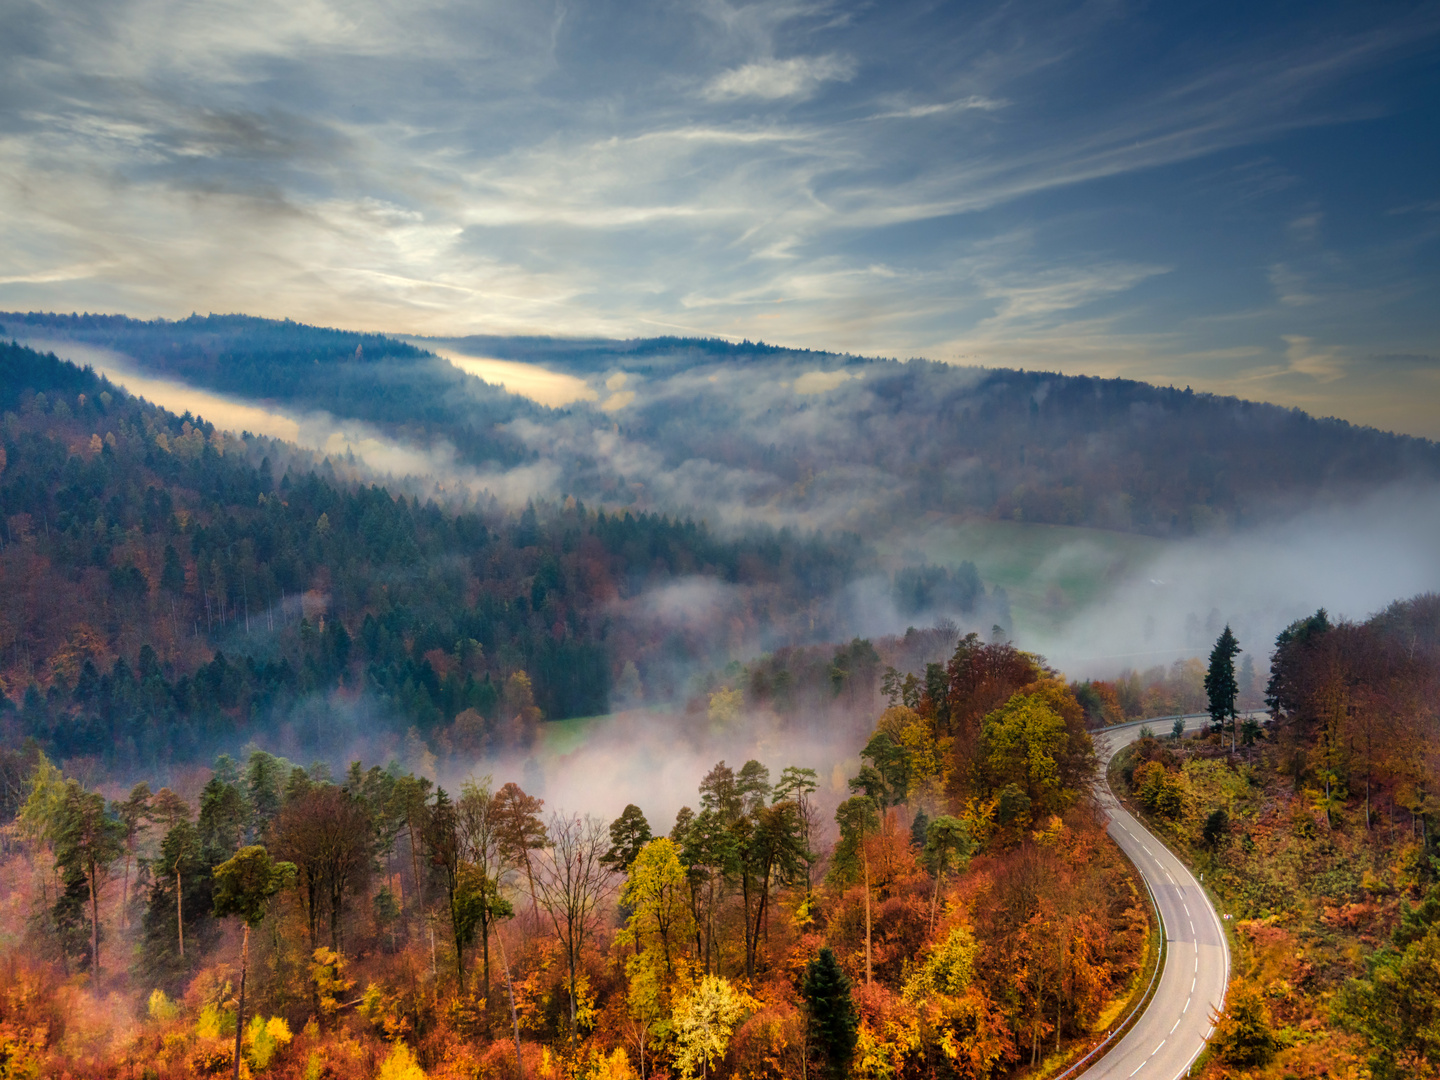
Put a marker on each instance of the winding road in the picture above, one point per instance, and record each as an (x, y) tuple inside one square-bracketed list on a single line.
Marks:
[(1171, 1032)]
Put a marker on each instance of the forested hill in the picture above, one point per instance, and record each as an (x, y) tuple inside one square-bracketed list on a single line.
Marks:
[(167, 589), (753, 432)]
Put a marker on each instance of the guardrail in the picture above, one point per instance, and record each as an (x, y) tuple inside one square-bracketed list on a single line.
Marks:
[(1120, 1028)]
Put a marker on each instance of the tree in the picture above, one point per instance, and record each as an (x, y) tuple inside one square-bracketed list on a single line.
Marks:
[(478, 818), (858, 818), (181, 868), (244, 886), (770, 848), (325, 832), (1023, 743), (833, 1021), (520, 831), (628, 834), (703, 1022), (133, 813), (654, 893), (1397, 1005), (223, 817), (798, 785), (948, 846), (87, 843), (1220, 685), (572, 883), (1243, 1035), (443, 845), (409, 799)]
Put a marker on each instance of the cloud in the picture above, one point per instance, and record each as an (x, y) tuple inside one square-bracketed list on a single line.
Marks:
[(1323, 363), (773, 80), (450, 168)]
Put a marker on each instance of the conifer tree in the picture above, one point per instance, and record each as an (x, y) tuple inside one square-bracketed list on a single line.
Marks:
[(833, 1020), (1220, 684)]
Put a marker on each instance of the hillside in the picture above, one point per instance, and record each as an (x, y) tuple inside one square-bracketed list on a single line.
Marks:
[(749, 432), (166, 588)]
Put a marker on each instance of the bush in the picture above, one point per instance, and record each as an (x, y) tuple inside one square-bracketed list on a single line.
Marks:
[(1217, 824), (1243, 1033)]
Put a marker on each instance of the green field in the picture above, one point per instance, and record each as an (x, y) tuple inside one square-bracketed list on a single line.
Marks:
[(1049, 571)]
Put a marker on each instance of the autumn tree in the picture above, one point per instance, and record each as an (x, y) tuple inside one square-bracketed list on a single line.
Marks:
[(324, 832), (654, 892), (572, 883), (520, 831), (703, 1022)]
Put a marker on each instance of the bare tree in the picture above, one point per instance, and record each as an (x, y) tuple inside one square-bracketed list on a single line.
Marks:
[(571, 882)]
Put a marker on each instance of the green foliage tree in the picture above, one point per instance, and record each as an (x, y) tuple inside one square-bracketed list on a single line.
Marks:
[(1243, 1033), (1021, 744), (858, 817), (244, 886), (1220, 686), (628, 834), (948, 847), (830, 1011), (88, 841), (133, 813)]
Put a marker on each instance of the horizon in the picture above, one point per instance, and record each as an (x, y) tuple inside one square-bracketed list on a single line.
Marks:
[(1242, 202)]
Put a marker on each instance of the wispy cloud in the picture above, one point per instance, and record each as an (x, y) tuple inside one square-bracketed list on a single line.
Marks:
[(829, 174), (774, 80)]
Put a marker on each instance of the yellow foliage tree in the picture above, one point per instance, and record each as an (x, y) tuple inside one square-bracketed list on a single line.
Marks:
[(703, 1022)]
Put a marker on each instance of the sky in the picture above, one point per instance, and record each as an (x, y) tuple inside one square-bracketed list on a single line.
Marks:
[(1242, 198)]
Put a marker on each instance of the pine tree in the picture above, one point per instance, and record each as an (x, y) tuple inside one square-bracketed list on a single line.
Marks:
[(833, 1019), (1220, 684)]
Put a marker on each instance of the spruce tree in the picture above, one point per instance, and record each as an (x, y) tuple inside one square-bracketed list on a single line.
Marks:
[(833, 1019), (1220, 684)]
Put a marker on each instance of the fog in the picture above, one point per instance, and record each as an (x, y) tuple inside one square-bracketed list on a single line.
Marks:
[(818, 443), (1351, 560)]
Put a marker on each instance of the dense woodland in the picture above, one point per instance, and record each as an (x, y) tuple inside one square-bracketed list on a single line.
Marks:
[(168, 591), (963, 916), (713, 426)]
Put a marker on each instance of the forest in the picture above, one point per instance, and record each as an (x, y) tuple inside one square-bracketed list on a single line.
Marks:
[(188, 617), (172, 590), (375, 924), (735, 431)]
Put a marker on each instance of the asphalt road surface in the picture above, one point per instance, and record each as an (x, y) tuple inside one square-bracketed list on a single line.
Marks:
[(1170, 1034)]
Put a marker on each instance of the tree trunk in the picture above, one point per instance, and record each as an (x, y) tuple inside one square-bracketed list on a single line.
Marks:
[(865, 859), (415, 866), (240, 1005), (515, 1017), (485, 955), (94, 930), (179, 911), (125, 894), (459, 952)]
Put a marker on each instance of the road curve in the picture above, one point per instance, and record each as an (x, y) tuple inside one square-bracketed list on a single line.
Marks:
[(1171, 1032)]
